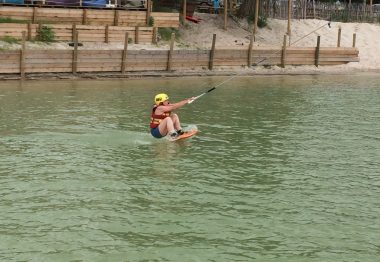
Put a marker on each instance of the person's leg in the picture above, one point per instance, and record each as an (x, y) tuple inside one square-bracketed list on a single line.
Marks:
[(176, 122), (166, 126)]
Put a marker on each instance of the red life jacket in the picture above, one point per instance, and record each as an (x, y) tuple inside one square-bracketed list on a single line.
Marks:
[(155, 120)]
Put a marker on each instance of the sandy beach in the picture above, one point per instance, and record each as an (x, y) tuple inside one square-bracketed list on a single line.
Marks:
[(303, 33)]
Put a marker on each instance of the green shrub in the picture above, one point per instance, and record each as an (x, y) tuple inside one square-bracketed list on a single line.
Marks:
[(11, 20), (166, 33), (9, 39), (261, 22), (45, 34), (151, 21)]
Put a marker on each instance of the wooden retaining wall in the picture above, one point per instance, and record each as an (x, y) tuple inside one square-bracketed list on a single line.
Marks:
[(88, 16), (47, 61), (87, 33)]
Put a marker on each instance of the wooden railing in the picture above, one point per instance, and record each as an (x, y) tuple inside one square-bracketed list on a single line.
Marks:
[(88, 16)]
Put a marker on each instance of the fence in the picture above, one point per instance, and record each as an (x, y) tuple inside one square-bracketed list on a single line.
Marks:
[(47, 61), (88, 16), (320, 10), (106, 34)]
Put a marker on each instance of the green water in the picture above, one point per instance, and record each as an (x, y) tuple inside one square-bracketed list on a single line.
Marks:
[(284, 168)]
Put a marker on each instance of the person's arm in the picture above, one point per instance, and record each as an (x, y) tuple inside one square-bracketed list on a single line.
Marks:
[(171, 107)]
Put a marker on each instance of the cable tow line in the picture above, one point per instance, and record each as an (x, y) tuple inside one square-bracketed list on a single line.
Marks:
[(213, 88)]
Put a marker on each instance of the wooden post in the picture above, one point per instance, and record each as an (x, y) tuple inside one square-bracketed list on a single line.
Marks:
[(354, 40), (256, 19), (290, 8), (39, 30), (34, 17), (212, 53), (148, 4), (124, 57), (106, 36), (116, 18), (317, 51), (136, 35), (80, 2), (75, 54), (73, 32), (184, 11), (22, 56), (339, 36), (283, 55), (170, 55), (29, 31), (84, 17), (225, 14), (250, 51), (154, 36)]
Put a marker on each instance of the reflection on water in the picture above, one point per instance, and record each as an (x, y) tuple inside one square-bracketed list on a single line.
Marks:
[(281, 168)]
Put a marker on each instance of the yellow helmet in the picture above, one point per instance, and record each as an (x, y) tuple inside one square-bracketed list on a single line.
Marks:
[(160, 98)]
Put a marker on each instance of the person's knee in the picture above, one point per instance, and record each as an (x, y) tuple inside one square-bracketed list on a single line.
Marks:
[(174, 116)]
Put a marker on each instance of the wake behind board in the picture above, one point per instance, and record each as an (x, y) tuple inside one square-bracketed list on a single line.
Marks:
[(185, 135)]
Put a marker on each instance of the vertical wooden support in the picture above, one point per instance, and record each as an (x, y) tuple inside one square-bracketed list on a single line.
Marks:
[(225, 14), (170, 54), (354, 40), (148, 11), (116, 18), (35, 15), (339, 36), (283, 54), (73, 32), (184, 11), (317, 51), (75, 54), (29, 31), (250, 51), (212, 53), (22, 56), (106, 34), (39, 30), (154, 36), (137, 35), (124, 57), (80, 2), (256, 19), (84, 17), (290, 8)]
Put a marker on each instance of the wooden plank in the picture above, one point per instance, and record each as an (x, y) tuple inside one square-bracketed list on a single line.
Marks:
[(10, 70), (337, 59), (49, 70)]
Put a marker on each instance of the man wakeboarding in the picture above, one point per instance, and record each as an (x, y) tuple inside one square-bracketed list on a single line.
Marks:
[(163, 121)]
